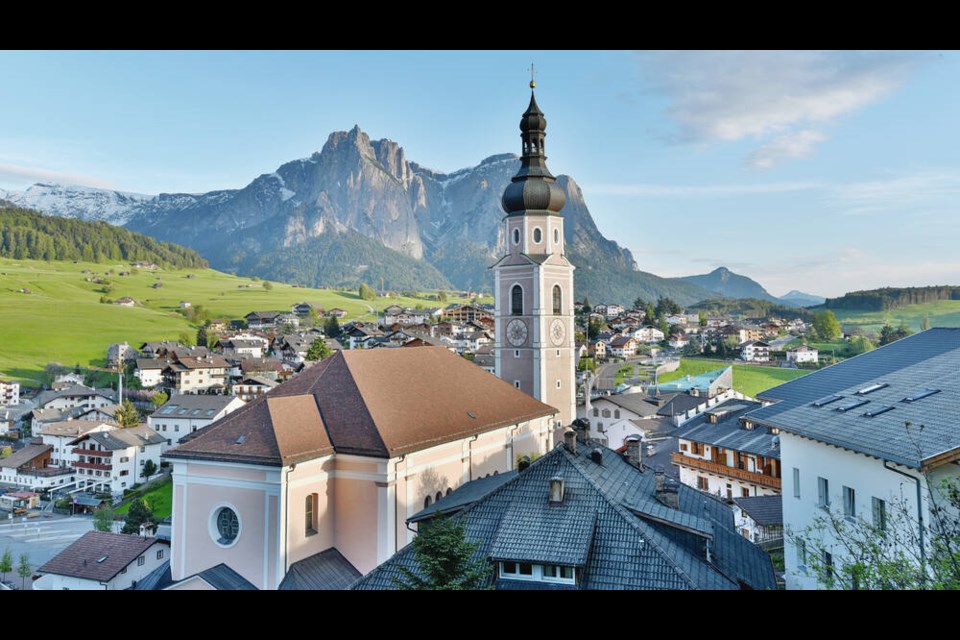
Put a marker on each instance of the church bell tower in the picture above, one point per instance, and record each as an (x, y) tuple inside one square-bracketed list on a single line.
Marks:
[(534, 280)]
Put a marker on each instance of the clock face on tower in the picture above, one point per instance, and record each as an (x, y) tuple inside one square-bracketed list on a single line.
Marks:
[(517, 332), (557, 332)]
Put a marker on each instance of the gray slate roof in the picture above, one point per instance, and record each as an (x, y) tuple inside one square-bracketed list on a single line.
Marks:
[(637, 403), (728, 432), (327, 570), (223, 578), (464, 496), (117, 439), (184, 406), (766, 511), (680, 403), (930, 359), (597, 529)]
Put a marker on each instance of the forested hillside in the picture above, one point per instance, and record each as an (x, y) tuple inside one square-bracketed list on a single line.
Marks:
[(892, 298), (29, 235)]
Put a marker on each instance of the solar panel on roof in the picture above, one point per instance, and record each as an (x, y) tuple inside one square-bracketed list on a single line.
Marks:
[(852, 405), (919, 395), (825, 401), (877, 411), (872, 388)]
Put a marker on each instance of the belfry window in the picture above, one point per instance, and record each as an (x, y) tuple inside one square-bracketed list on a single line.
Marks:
[(557, 300), (516, 300)]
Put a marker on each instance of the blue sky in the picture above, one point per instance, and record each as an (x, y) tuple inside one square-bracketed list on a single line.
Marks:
[(822, 171)]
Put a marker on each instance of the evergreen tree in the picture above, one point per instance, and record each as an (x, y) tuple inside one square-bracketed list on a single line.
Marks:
[(332, 327), (139, 513), (202, 337), (650, 313), (319, 350), (639, 304), (444, 558), (127, 415), (103, 519), (149, 468)]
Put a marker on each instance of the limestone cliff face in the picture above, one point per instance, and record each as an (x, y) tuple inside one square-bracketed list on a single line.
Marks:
[(358, 210)]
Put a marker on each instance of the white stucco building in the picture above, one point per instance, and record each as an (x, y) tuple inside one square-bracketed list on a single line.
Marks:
[(188, 413), (9, 393), (101, 561), (851, 443), (803, 353), (114, 460)]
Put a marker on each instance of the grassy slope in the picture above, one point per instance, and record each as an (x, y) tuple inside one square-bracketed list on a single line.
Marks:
[(747, 379), (159, 499), (62, 320), (944, 313)]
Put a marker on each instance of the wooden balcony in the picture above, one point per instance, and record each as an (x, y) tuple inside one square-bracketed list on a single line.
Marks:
[(92, 452), (93, 465), (723, 470)]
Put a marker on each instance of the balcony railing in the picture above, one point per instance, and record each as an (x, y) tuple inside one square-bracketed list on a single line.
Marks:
[(724, 470), (92, 452), (93, 465)]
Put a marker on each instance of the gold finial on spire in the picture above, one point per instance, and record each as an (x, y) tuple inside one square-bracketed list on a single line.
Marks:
[(533, 72)]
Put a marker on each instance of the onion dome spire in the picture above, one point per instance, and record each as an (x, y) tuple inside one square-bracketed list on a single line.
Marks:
[(533, 191)]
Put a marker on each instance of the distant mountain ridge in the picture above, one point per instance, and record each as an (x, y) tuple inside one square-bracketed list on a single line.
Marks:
[(728, 284), (800, 299), (359, 211)]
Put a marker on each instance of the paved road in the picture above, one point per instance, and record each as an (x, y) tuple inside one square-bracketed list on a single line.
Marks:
[(40, 538)]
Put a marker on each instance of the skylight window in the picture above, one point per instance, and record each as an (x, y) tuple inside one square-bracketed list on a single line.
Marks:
[(919, 395), (852, 405), (169, 410), (872, 388), (822, 402), (877, 411)]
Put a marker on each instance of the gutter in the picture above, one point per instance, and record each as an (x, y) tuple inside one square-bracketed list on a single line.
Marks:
[(923, 550)]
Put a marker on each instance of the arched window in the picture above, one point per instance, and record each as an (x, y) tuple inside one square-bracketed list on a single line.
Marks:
[(537, 236), (449, 491), (427, 501), (596, 412), (439, 495), (516, 236), (605, 413), (516, 300), (557, 300), (556, 236)]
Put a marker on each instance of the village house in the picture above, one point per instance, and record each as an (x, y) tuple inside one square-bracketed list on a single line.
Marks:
[(597, 349), (206, 374), (585, 517), (755, 351), (330, 465), (249, 387), (60, 434), (149, 371), (101, 561), (262, 320), (726, 455), (113, 460), (759, 518), (623, 347), (803, 353), (468, 313), (338, 313), (649, 334), (852, 445), (186, 414), (168, 349), (248, 347), (616, 417), (75, 396), (303, 309), (119, 354), (9, 393), (678, 340), (30, 468)]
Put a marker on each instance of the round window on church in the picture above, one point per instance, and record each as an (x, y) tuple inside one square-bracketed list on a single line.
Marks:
[(225, 526), (537, 235), (516, 236)]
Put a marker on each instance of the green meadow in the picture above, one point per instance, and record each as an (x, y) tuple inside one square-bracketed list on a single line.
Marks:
[(943, 313), (62, 319), (747, 379)]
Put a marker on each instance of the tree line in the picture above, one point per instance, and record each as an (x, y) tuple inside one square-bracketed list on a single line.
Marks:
[(892, 298), (29, 235)]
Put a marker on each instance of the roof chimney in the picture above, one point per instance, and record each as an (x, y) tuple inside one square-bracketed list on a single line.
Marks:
[(597, 455), (667, 493), (556, 490), (570, 440), (634, 451)]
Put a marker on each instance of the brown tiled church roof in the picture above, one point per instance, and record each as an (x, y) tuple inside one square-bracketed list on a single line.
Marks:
[(379, 403)]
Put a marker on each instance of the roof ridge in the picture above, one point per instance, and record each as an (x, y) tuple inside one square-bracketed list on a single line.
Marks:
[(631, 519), (363, 399)]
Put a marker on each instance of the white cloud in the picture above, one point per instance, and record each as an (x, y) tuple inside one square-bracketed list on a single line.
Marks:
[(790, 95), (788, 146), (20, 175), (925, 193), (698, 191)]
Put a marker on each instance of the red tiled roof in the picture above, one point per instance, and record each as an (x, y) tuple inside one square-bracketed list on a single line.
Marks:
[(98, 555), (380, 403)]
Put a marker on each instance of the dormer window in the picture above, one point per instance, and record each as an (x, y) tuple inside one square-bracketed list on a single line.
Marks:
[(557, 573)]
